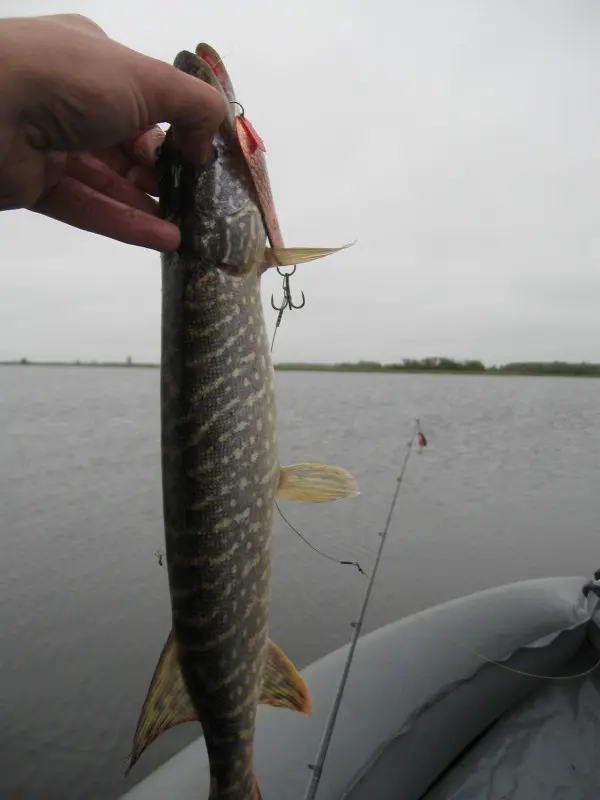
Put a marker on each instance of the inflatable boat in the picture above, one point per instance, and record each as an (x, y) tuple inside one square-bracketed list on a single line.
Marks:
[(427, 716)]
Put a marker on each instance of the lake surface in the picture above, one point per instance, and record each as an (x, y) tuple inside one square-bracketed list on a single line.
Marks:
[(508, 489)]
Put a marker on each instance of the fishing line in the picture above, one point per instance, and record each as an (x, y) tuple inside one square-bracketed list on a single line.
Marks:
[(317, 767), (316, 549), (288, 303), (523, 672)]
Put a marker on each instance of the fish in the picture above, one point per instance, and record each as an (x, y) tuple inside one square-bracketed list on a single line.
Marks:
[(219, 451)]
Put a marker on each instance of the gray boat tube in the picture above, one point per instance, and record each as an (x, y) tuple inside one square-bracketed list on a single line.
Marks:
[(417, 698)]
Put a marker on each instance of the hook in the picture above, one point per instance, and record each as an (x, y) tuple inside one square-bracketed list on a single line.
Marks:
[(236, 103), (287, 301), (287, 293)]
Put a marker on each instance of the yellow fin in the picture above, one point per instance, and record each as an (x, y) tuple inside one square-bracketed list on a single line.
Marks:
[(282, 685), (167, 703), (315, 483), (289, 256)]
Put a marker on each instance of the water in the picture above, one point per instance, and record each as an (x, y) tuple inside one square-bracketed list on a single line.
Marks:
[(508, 489)]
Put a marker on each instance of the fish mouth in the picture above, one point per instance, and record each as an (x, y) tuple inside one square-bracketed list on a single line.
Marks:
[(193, 64)]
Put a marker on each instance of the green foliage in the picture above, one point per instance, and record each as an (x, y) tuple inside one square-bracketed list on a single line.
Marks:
[(550, 368), (449, 365)]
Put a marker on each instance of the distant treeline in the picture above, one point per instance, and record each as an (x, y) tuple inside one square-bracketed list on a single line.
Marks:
[(437, 364), (449, 365), (25, 362)]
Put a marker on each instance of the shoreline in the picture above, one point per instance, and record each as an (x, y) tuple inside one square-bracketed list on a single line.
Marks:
[(565, 370)]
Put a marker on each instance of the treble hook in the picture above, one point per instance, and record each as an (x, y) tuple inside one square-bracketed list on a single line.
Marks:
[(287, 301), (287, 293)]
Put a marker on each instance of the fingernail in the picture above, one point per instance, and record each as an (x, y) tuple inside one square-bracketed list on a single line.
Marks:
[(147, 143)]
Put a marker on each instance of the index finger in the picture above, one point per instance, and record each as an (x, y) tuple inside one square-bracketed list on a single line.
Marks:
[(194, 108)]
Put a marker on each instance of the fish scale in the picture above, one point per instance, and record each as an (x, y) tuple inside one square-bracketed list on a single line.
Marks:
[(220, 463)]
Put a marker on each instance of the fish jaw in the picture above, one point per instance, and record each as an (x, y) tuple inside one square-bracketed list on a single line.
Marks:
[(197, 67)]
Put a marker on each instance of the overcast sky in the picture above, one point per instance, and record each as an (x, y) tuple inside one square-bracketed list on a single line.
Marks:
[(457, 140)]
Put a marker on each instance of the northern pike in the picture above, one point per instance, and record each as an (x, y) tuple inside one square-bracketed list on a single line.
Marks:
[(220, 464)]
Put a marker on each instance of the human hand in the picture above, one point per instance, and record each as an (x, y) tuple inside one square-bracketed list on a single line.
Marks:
[(78, 132)]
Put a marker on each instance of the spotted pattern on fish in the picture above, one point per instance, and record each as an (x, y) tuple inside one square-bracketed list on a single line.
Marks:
[(219, 450)]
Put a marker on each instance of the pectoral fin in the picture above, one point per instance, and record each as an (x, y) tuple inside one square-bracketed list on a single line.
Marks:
[(167, 703), (289, 256), (282, 685), (315, 483)]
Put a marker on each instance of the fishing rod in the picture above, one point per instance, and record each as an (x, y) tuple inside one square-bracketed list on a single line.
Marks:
[(417, 434), (317, 767)]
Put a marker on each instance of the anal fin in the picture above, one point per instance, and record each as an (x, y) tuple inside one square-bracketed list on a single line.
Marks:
[(315, 483)]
